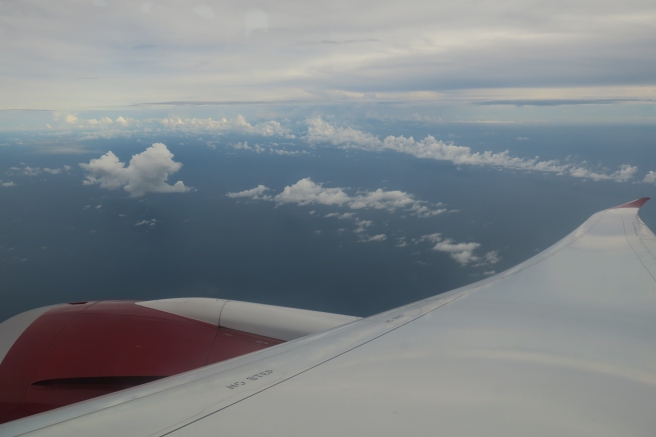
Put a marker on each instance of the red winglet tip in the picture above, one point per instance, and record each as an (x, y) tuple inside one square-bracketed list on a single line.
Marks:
[(635, 204)]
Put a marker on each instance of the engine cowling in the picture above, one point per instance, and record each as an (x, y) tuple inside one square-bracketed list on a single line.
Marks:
[(59, 355)]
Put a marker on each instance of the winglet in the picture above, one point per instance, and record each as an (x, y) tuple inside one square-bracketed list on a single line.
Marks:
[(635, 204)]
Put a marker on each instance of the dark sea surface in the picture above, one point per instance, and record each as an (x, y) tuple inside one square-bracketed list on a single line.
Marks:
[(63, 241)]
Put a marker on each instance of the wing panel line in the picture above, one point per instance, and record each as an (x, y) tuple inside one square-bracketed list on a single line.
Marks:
[(639, 248), (462, 294)]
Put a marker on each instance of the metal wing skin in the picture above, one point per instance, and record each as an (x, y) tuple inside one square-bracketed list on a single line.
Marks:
[(563, 344)]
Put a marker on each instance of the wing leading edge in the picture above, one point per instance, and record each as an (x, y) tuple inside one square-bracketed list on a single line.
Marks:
[(562, 344)]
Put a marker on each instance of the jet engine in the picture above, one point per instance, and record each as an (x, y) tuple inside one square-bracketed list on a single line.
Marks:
[(62, 354)]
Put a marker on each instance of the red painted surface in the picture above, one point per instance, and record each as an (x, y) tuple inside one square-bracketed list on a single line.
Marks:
[(635, 204), (24, 358), (77, 351)]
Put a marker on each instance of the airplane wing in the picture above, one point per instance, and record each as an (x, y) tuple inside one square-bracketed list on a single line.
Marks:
[(562, 344)]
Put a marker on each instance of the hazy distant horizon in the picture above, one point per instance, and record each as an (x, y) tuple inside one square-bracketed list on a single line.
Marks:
[(324, 212)]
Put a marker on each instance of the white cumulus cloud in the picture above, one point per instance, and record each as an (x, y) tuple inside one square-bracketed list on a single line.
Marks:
[(650, 178), (146, 173), (462, 253), (256, 193), (320, 131), (624, 174), (306, 191)]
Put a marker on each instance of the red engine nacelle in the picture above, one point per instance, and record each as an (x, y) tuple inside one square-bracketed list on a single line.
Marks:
[(81, 350)]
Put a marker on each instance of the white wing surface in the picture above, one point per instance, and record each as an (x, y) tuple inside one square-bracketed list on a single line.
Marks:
[(562, 344)]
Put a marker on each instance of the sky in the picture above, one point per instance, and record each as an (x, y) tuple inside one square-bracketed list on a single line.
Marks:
[(103, 54), (343, 156)]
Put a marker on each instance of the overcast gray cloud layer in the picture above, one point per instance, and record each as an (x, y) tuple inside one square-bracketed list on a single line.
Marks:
[(65, 55)]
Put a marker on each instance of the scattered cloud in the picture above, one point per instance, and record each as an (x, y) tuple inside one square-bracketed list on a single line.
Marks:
[(27, 170), (624, 174), (491, 257), (432, 238), (305, 192), (320, 131), (103, 121), (244, 146), (8, 184), (256, 193), (374, 238), (462, 253), (381, 199), (31, 171), (257, 148), (150, 223), (146, 173), (289, 152), (235, 125), (52, 170), (362, 225), (105, 127), (650, 178)]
